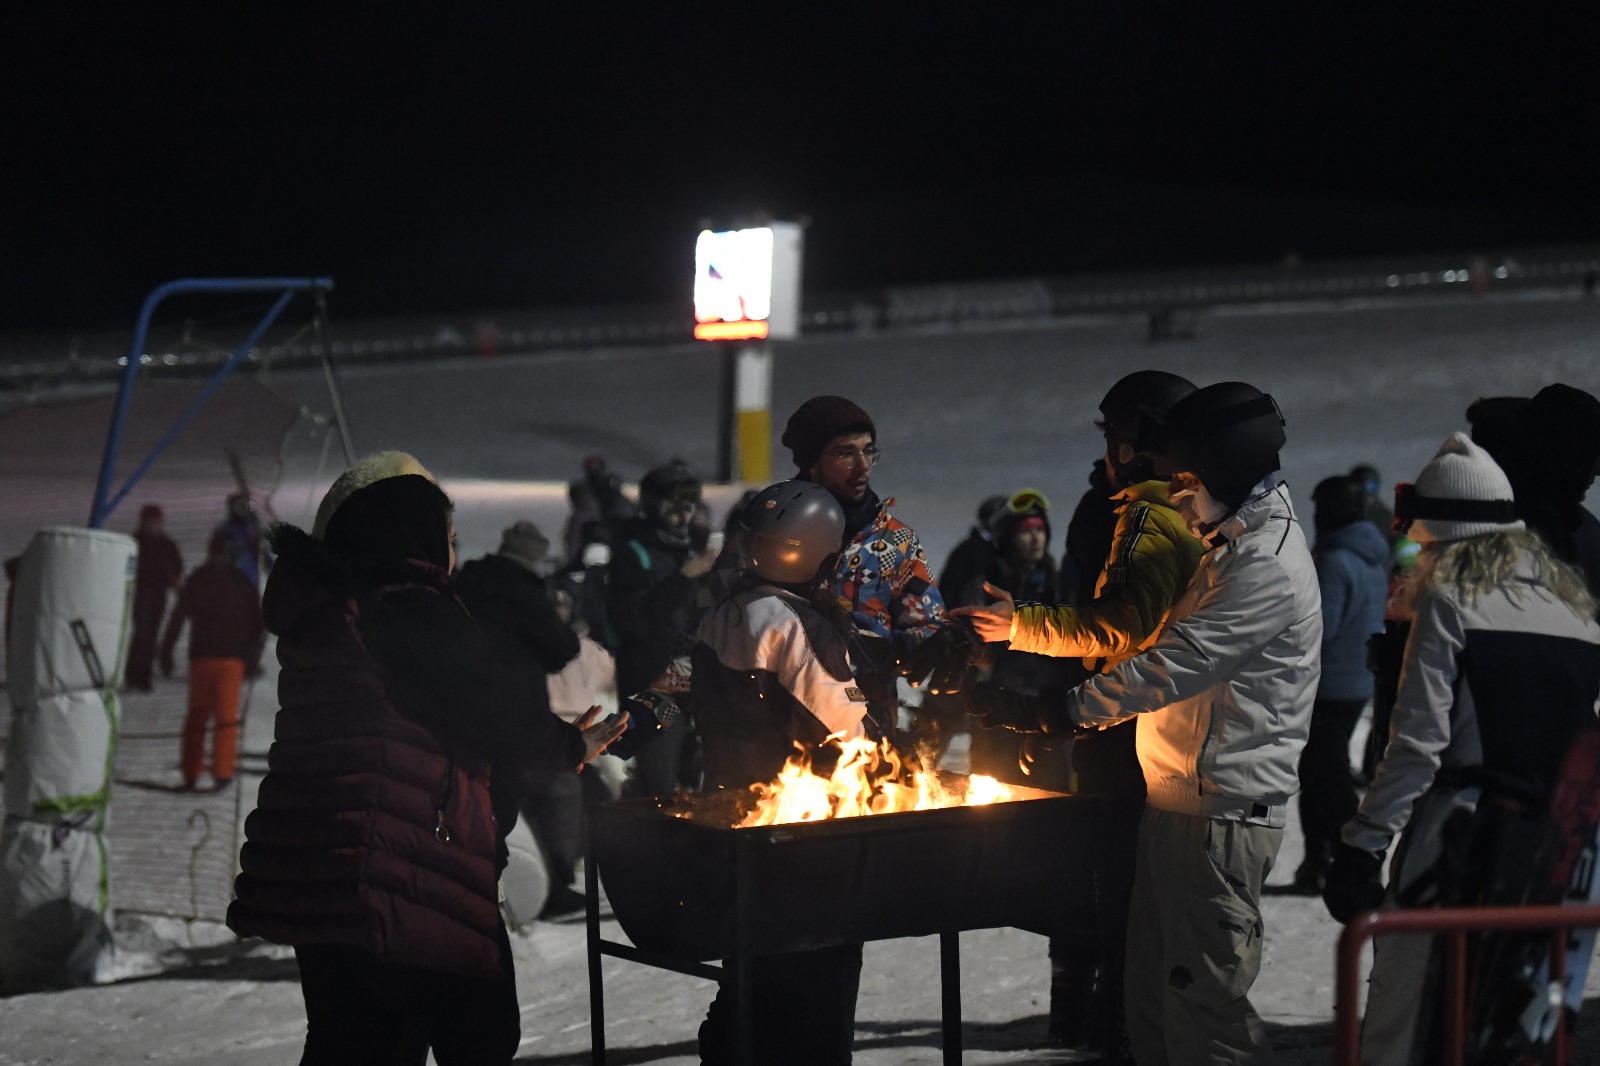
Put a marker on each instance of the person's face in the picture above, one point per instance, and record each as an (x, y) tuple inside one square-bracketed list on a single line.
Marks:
[(845, 466), (451, 525), (563, 600), (1028, 544), (674, 516), (1119, 453)]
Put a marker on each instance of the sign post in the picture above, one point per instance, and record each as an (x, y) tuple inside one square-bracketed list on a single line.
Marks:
[(747, 289)]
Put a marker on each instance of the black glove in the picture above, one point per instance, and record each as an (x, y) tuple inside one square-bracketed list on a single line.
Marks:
[(648, 714), (1353, 884), (996, 707), (943, 659)]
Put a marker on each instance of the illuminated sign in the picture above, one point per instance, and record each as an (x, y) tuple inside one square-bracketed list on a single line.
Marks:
[(747, 283)]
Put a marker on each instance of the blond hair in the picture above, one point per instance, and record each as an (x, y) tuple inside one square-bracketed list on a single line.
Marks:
[(1475, 565)]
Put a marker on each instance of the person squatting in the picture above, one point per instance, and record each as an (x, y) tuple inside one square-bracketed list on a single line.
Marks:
[(1173, 661)]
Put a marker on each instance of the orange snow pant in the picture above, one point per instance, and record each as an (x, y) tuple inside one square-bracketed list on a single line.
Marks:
[(213, 697)]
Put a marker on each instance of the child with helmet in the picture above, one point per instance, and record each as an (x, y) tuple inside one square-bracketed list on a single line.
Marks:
[(770, 669)]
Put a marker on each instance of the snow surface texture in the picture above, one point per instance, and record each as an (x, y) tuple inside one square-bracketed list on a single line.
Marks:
[(961, 414)]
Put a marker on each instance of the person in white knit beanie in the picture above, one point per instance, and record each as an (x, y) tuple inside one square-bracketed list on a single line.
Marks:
[(1501, 675), (1462, 492)]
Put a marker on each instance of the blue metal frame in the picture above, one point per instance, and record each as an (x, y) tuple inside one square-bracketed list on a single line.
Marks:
[(104, 503)]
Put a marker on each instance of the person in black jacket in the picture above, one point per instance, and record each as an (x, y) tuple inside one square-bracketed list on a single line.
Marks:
[(1549, 447), (971, 558), (159, 574), (657, 575), (508, 598)]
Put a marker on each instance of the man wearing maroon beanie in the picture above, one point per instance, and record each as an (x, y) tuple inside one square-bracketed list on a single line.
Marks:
[(882, 575)]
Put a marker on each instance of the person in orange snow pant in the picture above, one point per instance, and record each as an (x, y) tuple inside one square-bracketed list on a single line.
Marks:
[(224, 644)]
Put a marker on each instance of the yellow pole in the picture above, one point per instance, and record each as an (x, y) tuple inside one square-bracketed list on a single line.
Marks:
[(753, 413)]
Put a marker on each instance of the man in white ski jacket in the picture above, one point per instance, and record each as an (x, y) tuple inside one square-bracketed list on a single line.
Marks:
[(1223, 700)]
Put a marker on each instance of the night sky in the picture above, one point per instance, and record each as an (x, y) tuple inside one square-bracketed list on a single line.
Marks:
[(432, 158)]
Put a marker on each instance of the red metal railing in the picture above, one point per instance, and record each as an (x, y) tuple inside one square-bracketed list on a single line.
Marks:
[(1454, 923)]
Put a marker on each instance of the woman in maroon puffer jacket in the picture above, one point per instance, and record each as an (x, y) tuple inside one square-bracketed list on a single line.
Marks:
[(373, 848)]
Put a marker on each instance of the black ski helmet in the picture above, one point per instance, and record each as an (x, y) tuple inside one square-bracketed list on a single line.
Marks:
[(1228, 435), (1133, 406), (788, 531)]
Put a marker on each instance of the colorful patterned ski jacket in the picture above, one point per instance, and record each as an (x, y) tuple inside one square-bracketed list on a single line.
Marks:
[(882, 579)]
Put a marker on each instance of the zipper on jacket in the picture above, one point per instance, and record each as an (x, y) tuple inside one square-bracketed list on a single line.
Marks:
[(441, 831)]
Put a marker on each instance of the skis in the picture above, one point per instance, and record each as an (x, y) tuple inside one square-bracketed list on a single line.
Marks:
[(1515, 1006)]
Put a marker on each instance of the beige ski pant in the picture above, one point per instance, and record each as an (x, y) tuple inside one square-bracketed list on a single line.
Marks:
[(1194, 940)]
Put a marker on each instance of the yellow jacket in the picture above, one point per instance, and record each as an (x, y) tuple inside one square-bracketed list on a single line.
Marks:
[(1153, 555)]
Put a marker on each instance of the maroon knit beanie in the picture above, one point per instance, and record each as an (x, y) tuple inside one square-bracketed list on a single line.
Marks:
[(819, 420)]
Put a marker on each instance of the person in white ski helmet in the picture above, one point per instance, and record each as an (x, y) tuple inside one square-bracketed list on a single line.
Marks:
[(770, 671)]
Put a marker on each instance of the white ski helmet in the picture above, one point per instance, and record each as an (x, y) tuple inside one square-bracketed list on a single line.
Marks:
[(788, 531)]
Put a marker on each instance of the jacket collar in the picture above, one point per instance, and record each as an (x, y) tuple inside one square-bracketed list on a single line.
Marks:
[(1155, 491), (1269, 501)]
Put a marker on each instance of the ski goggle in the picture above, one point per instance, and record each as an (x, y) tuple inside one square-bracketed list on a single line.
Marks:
[(1028, 501)]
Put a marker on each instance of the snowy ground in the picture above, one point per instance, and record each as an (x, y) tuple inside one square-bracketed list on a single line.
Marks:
[(961, 414)]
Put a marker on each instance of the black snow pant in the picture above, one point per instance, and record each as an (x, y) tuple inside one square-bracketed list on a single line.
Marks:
[(142, 645), (665, 762), (803, 1007), (1328, 791), (1086, 974), (554, 809), (363, 1011)]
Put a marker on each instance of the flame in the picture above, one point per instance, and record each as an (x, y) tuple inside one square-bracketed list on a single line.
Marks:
[(870, 778)]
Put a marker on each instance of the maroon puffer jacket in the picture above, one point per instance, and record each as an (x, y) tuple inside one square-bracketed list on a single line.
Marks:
[(370, 830)]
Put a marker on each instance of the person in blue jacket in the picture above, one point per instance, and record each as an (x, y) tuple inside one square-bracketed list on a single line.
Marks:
[(1349, 554)]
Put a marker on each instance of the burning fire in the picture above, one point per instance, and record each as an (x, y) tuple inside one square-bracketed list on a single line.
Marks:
[(869, 779)]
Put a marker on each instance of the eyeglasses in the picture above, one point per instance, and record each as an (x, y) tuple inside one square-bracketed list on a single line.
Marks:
[(850, 457)]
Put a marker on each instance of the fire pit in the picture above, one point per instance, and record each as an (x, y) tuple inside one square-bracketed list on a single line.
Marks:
[(686, 887), (677, 881)]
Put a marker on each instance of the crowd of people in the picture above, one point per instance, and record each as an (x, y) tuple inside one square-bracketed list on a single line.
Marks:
[(1188, 654)]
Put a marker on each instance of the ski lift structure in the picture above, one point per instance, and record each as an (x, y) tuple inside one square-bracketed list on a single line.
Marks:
[(317, 288)]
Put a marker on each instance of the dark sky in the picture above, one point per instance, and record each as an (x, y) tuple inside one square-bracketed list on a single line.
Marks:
[(475, 156)]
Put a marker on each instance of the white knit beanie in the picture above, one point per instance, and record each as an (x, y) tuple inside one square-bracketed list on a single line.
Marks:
[(365, 472), (1462, 492)]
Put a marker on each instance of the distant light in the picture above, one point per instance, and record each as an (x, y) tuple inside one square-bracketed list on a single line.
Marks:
[(1394, 281), (169, 359), (730, 331), (1501, 272)]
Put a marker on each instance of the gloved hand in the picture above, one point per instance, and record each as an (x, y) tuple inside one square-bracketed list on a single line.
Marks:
[(943, 659), (997, 707), (648, 713), (1354, 883)]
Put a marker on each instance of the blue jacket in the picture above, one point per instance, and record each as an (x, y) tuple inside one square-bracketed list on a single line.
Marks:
[(1350, 570)]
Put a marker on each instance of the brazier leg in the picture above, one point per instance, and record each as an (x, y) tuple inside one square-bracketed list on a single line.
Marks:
[(950, 995)]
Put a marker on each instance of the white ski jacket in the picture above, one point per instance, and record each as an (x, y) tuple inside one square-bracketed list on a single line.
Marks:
[(1224, 694), (1490, 694)]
